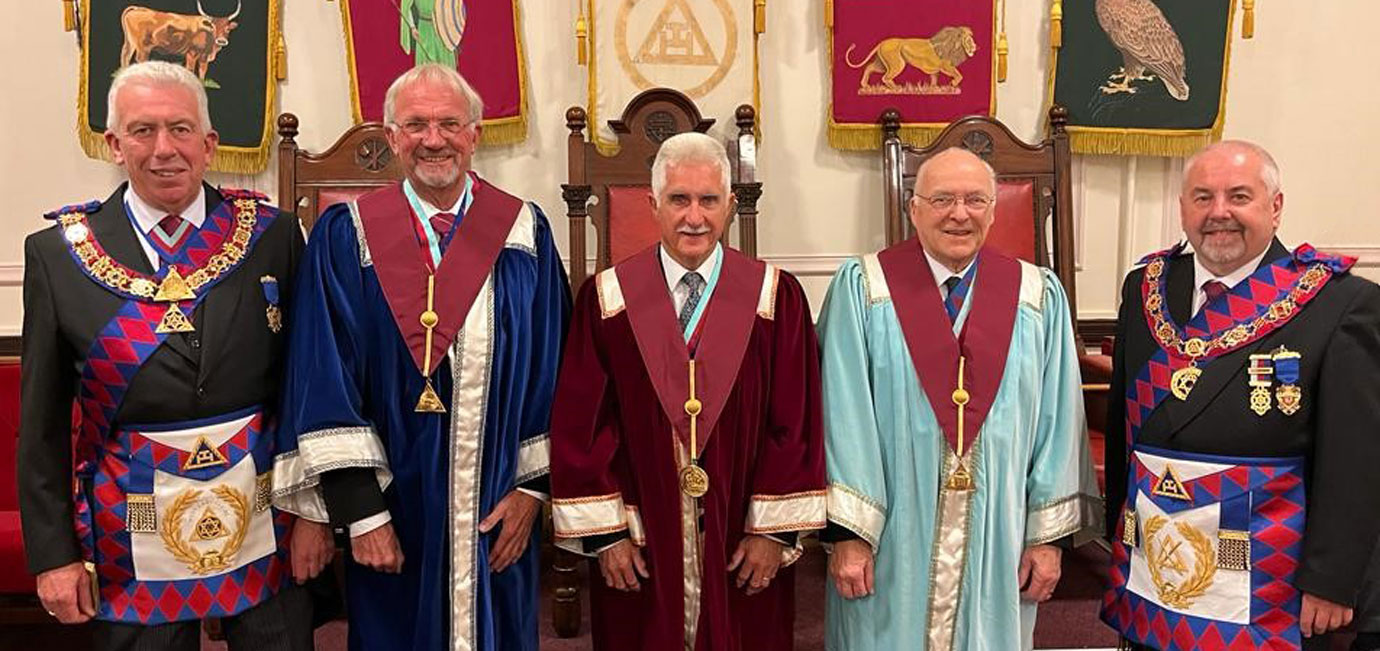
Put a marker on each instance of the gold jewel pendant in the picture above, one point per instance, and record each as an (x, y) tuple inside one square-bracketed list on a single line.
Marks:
[(1261, 372), (429, 402), (173, 288), (1289, 394), (1182, 381), (960, 479), (174, 320), (694, 481)]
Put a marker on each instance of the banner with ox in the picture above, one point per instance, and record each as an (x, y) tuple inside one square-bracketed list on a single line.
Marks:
[(1143, 77), (234, 46), (706, 49), (933, 62), (480, 38)]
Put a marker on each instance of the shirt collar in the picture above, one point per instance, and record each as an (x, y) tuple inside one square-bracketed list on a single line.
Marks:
[(674, 271), (1202, 275), (941, 273), (146, 216), (429, 210)]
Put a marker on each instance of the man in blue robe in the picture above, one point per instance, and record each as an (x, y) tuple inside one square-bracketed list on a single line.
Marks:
[(954, 431), (421, 372)]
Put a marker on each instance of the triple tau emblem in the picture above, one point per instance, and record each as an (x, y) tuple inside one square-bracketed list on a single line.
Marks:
[(1170, 486), (173, 289), (204, 455), (689, 45), (676, 38)]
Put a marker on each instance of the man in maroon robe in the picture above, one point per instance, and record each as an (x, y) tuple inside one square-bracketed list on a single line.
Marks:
[(686, 443)]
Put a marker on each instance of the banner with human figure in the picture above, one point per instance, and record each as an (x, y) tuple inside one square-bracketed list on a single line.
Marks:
[(480, 38), (1144, 77), (933, 62), (706, 49), (234, 47)]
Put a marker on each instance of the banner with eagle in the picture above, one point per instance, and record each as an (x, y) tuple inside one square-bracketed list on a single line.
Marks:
[(933, 62), (1143, 77), (706, 49), (480, 38), (234, 46)]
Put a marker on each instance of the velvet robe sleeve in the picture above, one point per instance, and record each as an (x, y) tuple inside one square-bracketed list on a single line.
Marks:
[(1342, 503), (548, 330), (587, 502), (788, 490), (857, 493), (1061, 488), (323, 427)]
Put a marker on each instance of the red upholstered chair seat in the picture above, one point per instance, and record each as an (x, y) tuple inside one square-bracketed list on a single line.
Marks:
[(632, 222), (14, 574)]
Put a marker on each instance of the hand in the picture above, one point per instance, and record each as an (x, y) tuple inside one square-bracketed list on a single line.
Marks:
[(66, 593), (1318, 615), (1039, 572), (757, 559), (517, 511), (851, 566), (312, 547), (621, 564), (378, 549)]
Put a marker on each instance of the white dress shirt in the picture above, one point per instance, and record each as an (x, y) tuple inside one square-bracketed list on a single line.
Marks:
[(147, 218), (1201, 275), (942, 273), (674, 272)]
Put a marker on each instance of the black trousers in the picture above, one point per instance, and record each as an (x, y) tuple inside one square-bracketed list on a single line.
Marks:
[(282, 623)]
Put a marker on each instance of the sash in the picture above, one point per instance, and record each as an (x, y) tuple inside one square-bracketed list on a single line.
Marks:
[(1257, 306), (934, 351), (122, 346), (477, 241), (722, 335)]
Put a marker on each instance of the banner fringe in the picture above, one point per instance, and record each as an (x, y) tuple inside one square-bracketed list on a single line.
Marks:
[(1120, 143), (855, 137), (505, 132)]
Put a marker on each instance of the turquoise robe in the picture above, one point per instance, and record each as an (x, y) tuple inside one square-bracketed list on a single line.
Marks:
[(1031, 469)]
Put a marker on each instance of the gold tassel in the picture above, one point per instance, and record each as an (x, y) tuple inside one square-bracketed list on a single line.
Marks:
[(69, 15), (759, 16), (280, 58), (829, 14), (1248, 19), (1056, 24), (1002, 50), (582, 40)]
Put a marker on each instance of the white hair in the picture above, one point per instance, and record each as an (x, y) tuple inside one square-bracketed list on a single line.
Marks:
[(689, 147), (154, 73), (925, 165), (1269, 169), (433, 72)]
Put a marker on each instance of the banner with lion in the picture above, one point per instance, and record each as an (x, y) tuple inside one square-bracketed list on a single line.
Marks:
[(933, 62), (234, 46), (1144, 77)]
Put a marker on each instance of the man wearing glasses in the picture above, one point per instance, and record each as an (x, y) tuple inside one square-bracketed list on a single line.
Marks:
[(422, 367), (954, 431)]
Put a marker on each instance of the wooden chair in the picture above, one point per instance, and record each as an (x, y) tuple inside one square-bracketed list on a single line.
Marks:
[(610, 192), (358, 162), (1034, 213)]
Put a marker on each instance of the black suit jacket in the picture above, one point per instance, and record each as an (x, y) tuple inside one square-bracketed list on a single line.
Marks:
[(231, 361), (1337, 429)]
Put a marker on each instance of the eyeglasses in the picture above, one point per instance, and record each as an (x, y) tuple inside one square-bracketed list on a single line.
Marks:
[(448, 127), (946, 201)]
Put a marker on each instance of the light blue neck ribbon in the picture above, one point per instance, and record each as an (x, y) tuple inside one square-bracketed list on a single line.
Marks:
[(704, 295), (433, 239)]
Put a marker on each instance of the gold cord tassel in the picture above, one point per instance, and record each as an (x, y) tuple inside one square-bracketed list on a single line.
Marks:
[(829, 14), (69, 15), (1002, 50), (1248, 19), (1056, 24), (280, 58), (582, 39), (759, 16)]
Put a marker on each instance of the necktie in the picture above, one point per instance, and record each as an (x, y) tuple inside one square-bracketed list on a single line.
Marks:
[(955, 291), (694, 282), (1214, 290), (169, 236), (442, 222)]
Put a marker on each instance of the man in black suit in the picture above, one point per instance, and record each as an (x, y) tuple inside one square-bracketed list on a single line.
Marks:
[(1243, 372), (159, 311)]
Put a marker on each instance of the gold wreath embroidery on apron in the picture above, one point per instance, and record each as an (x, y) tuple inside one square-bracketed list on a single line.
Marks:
[(1162, 554), (209, 526)]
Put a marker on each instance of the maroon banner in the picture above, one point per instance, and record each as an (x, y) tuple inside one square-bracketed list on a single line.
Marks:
[(384, 38), (931, 61)]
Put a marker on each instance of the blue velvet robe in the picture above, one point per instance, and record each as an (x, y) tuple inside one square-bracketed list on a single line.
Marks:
[(349, 402)]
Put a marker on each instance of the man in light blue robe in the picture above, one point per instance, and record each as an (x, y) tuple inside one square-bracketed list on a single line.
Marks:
[(422, 368), (954, 427)]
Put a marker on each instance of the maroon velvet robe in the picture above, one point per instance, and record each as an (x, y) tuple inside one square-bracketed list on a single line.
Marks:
[(616, 455)]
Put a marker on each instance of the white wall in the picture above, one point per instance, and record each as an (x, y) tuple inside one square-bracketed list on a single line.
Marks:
[(820, 205)]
